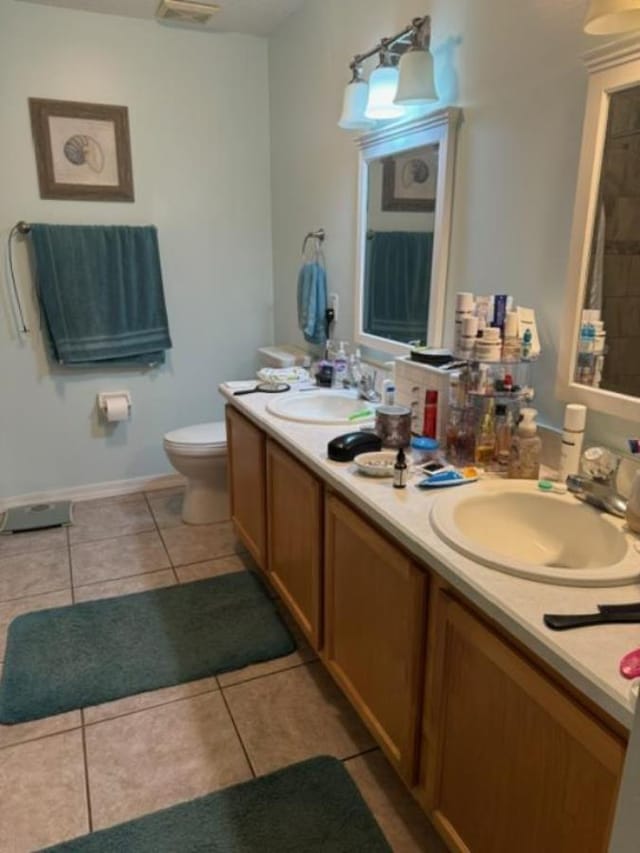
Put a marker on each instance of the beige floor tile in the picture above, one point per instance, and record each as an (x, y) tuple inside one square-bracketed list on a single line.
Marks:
[(211, 568), (109, 517), (150, 699), (166, 506), (22, 732), (11, 609), (31, 574), (405, 826), (125, 586), (42, 793), (109, 559), (147, 761), (303, 654), (196, 543), (37, 540), (294, 715)]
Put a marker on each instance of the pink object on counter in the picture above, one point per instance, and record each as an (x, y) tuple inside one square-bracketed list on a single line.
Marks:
[(630, 664)]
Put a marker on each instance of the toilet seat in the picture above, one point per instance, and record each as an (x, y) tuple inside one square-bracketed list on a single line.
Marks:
[(208, 439)]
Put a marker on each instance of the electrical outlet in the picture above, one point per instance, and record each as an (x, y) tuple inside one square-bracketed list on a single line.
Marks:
[(333, 304)]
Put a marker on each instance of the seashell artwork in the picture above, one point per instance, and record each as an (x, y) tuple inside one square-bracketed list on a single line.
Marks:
[(81, 149), (415, 171)]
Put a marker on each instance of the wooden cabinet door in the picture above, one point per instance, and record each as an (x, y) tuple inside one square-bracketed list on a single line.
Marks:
[(375, 611), (246, 451), (294, 516), (510, 761)]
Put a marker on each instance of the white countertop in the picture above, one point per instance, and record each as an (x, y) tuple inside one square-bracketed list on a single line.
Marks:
[(588, 658)]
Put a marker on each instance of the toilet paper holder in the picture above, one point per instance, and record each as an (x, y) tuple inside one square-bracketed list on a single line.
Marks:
[(105, 396)]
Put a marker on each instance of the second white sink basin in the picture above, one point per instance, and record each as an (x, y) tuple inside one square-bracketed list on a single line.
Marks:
[(514, 527), (320, 407)]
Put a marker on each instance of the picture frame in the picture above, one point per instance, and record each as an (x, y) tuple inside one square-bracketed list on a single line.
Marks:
[(82, 150), (409, 181)]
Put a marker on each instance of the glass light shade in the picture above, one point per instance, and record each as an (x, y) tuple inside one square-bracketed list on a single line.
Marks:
[(354, 104), (383, 85), (416, 86), (608, 17)]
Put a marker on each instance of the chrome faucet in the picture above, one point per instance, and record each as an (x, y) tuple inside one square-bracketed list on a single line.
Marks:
[(598, 485), (367, 387)]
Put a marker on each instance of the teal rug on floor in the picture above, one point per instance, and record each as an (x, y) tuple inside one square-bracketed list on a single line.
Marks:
[(84, 654), (311, 807)]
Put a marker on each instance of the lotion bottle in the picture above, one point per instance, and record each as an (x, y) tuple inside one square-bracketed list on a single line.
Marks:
[(526, 448), (575, 416)]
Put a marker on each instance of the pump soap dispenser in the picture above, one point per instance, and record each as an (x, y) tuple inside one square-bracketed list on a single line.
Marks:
[(526, 448)]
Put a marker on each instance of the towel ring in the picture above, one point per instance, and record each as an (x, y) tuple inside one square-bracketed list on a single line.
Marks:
[(318, 235)]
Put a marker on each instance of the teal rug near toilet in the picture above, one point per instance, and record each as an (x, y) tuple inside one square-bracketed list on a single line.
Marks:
[(84, 654), (311, 807)]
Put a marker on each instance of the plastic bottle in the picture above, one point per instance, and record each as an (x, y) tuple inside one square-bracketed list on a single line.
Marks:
[(504, 430), (340, 367), (355, 367), (575, 416), (527, 339), (486, 440), (430, 422), (526, 447)]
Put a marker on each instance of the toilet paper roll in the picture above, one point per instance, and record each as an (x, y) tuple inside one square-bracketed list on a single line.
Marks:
[(116, 409)]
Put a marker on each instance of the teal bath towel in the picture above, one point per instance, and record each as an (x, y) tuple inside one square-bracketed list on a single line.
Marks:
[(312, 302), (101, 293)]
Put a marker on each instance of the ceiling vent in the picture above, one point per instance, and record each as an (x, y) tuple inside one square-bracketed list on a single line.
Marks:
[(186, 11)]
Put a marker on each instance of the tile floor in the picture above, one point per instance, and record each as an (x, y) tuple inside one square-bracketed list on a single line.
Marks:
[(66, 775)]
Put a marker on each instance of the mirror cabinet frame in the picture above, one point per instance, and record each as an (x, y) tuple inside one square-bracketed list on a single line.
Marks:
[(612, 68), (438, 127)]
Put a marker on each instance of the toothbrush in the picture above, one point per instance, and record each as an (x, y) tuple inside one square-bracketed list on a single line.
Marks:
[(363, 413)]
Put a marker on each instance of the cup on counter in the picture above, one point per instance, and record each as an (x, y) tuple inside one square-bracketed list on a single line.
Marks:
[(393, 426)]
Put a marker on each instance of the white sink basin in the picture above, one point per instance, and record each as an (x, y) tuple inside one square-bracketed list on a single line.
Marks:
[(516, 528), (320, 407)]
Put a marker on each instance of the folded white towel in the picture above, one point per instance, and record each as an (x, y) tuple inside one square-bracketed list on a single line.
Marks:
[(283, 374)]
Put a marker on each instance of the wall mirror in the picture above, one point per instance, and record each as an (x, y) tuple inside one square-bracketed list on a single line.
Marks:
[(404, 220), (599, 362)]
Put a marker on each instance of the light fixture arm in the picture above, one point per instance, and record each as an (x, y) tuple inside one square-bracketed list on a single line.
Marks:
[(419, 29)]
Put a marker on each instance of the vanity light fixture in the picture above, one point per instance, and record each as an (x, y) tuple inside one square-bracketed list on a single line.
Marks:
[(356, 96), (417, 85), (609, 17), (391, 89), (383, 87)]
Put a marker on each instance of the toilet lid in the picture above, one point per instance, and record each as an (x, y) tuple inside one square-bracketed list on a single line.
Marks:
[(212, 435)]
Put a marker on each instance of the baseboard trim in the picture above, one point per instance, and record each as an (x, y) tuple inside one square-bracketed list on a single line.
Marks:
[(96, 490)]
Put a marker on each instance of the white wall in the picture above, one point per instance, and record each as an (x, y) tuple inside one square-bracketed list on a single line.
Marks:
[(516, 71), (198, 111)]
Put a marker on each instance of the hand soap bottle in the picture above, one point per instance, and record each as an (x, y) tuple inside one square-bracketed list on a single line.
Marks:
[(526, 448)]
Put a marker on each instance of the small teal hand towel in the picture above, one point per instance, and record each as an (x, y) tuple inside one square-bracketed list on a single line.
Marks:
[(101, 292), (312, 302)]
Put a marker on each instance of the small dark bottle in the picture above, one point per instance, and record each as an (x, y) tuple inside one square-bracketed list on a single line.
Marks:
[(400, 471)]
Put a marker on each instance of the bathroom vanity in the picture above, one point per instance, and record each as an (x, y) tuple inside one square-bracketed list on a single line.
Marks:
[(505, 732)]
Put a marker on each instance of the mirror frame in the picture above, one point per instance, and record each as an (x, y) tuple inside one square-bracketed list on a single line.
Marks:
[(438, 127), (613, 67)]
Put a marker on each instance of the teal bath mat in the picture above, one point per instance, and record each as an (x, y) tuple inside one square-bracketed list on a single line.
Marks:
[(311, 807), (84, 654)]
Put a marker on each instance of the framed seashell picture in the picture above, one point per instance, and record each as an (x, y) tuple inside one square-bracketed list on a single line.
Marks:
[(83, 151)]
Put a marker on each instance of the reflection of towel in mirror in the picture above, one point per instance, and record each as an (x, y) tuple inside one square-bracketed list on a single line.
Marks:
[(312, 302)]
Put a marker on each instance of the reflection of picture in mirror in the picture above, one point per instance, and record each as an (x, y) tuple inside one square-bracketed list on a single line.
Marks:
[(410, 180), (399, 248), (609, 337)]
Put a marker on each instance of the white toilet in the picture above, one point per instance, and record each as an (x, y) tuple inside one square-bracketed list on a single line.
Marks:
[(199, 453)]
